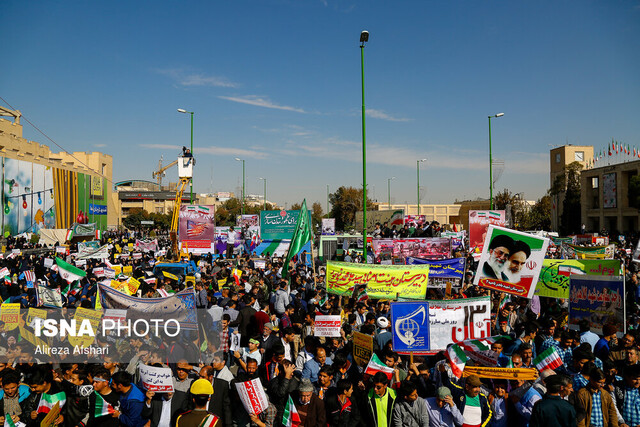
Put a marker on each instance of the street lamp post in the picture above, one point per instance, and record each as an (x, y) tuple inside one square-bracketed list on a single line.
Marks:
[(389, 189), (491, 161), (418, 176), (183, 111), (364, 37), (265, 193), (242, 160)]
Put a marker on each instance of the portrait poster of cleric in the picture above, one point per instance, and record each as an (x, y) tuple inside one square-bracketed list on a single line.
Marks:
[(511, 261)]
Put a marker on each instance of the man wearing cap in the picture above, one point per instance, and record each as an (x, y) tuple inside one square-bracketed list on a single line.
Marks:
[(201, 391), (553, 410), (442, 411), (473, 405), (499, 250), (309, 406)]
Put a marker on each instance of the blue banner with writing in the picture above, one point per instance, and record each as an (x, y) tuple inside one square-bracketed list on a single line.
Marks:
[(452, 268), (600, 299), (410, 326)]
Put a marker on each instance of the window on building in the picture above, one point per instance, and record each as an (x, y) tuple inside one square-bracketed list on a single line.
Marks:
[(557, 157), (594, 182)]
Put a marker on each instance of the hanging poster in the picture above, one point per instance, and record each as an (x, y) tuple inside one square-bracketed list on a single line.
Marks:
[(196, 226), (383, 281), (410, 326), (609, 190), (511, 261), (479, 222), (328, 226), (599, 299), (414, 221), (449, 268), (279, 224), (248, 220)]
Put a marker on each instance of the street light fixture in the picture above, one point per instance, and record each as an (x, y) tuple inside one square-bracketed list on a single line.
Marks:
[(418, 176), (265, 193), (491, 161), (183, 111), (364, 37), (242, 160), (389, 189)]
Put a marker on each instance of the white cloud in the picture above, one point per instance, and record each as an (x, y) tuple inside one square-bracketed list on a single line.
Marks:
[(220, 151), (99, 145), (185, 78), (258, 101), (379, 114)]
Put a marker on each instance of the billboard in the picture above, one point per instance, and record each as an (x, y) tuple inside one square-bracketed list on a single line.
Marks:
[(479, 222), (609, 190), (279, 224), (422, 247), (196, 226), (328, 226), (600, 299)]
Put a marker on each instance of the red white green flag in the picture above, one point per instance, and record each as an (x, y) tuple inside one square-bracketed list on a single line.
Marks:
[(291, 418), (548, 359), (48, 401), (102, 407), (375, 365), (457, 359)]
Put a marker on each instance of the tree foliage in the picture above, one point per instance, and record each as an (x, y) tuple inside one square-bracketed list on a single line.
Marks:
[(539, 216), (345, 202), (507, 200), (227, 213), (316, 214), (160, 221)]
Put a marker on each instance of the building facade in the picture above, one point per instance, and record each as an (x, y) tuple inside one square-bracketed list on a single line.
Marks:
[(559, 158), (604, 197)]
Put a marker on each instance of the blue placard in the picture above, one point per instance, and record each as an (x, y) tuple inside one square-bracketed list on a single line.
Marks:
[(97, 209), (410, 326), (452, 268)]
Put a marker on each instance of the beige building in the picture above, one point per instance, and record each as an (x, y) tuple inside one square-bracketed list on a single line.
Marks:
[(444, 214), (560, 157), (604, 198), (94, 165)]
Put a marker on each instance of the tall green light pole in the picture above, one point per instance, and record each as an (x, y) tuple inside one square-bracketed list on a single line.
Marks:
[(183, 111), (242, 160), (265, 193), (418, 175), (491, 161), (389, 189), (364, 37)]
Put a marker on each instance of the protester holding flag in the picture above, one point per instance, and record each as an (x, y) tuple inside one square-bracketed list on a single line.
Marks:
[(14, 401), (46, 395), (103, 401), (309, 406)]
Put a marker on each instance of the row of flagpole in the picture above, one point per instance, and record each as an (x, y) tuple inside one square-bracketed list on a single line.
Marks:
[(613, 153)]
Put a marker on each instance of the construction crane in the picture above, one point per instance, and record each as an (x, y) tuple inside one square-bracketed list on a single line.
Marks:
[(159, 174)]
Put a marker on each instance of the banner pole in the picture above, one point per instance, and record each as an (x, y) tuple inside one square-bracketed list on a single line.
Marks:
[(313, 265)]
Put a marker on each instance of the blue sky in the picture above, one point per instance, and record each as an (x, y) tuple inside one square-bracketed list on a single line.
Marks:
[(277, 82)]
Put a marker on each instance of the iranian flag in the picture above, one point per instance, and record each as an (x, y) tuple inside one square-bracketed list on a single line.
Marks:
[(199, 209), (548, 359), (290, 417), (376, 365), (68, 272), (457, 359), (48, 401), (482, 214), (102, 407), (8, 422), (494, 215), (567, 270), (474, 345), (69, 235)]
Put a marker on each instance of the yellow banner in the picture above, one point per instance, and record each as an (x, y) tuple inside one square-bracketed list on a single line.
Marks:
[(10, 315), (117, 269), (94, 319), (525, 374), (190, 281), (222, 282), (118, 286), (362, 348), (383, 281), (132, 286), (118, 248), (35, 312), (170, 276), (127, 270)]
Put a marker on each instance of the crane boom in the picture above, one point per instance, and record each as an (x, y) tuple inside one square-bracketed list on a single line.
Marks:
[(158, 174)]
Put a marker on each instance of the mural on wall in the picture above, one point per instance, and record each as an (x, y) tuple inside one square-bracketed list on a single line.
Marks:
[(37, 196), (28, 203)]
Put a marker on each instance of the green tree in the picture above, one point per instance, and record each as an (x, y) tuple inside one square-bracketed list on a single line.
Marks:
[(132, 221), (570, 218), (634, 192), (316, 215), (227, 213), (345, 202), (519, 209), (539, 216)]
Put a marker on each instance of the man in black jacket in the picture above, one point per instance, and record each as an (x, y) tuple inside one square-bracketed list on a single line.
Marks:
[(553, 410), (246, 321), (220, 403), (162, 404)]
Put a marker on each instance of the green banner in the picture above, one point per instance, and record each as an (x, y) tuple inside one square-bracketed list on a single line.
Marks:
[(554, 277), (278, 224)]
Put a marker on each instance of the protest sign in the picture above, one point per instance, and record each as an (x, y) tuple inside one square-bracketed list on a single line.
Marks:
[(599, 299), (456, 237), (35, 313), (48, 262), (102, 252), (524, 374), (127, 270), (4, 272), (383, 281), (511, 261), (117, 315), (146, 245), (234, 344), (458, 320), (410, 326), (328, 226), (249, 220), (449, 268), (279, 224), (588, 252), (423, 247), (253, 397), (98, 271), (50, 419), (362, 348), (10, 315), (260, 263), (155, 379), (414, 221), (137, 255), (327, 326), (555, 274), (48, 297), (196, 226), (81, 262), (479, 222), (109, 273)]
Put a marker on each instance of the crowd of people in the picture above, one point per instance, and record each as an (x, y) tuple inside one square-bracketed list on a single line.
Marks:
[(308, 380)]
